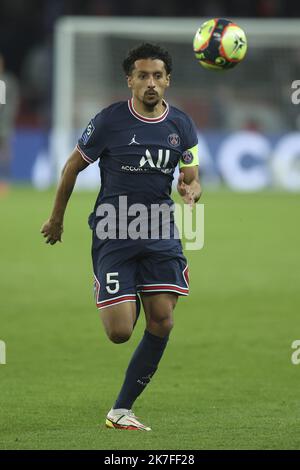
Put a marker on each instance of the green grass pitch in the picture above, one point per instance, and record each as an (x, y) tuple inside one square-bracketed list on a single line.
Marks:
[(226, 380)]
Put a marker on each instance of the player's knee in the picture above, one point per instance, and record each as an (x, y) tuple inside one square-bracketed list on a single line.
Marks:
[(118, 322), (118, 336), (162, 313), (163, 324), (167, 325)]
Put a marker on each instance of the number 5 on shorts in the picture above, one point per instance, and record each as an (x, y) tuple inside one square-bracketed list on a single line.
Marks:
[(112, 285)]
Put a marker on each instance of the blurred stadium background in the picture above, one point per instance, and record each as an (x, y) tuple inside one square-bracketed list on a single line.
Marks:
[(63, 65), (228, 372), (246, 118)]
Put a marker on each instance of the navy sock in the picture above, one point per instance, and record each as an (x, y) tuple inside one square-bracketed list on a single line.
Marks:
[(141, 369)]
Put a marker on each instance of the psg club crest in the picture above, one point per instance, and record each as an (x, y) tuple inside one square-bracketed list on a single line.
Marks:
[(174, 140), (187, 157)]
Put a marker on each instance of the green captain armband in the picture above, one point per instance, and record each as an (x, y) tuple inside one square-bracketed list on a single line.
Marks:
[(189, 157)]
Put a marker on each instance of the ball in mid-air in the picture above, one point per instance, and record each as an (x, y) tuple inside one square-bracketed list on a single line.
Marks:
[(219, 44)]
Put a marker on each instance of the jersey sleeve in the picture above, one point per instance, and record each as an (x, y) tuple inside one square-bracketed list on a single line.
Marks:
[(190, 156), (93, 140)]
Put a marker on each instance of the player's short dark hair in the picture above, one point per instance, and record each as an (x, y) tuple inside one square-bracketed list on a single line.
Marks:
[(147, 51)]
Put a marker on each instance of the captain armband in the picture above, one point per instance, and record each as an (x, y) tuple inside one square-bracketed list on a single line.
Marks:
[(189, 157)]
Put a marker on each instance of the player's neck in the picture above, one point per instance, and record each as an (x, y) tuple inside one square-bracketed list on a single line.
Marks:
[(147, 111)]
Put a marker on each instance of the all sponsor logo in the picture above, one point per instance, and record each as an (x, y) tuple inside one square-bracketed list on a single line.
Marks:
[(148, 162)]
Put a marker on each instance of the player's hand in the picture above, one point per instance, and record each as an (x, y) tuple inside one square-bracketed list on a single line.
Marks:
[(52, 231), (186, 191)]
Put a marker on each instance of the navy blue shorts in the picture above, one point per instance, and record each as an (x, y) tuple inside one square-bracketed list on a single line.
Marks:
[(123, 268)]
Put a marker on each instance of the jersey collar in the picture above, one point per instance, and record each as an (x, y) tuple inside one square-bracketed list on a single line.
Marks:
[(147, 119)]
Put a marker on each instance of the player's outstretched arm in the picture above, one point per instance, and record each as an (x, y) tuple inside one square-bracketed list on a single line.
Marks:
[(188, 185), (52, 229)]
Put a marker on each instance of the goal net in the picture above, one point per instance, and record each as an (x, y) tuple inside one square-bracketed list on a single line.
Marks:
[(255, 95)]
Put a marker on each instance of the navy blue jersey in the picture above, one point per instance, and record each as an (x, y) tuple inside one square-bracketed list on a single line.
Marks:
[(138, 155)]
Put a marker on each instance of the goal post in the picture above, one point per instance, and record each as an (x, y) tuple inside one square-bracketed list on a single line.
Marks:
[(88, 75)]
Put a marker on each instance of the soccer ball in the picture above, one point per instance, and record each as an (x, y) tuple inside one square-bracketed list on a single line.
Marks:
[(219, 44)]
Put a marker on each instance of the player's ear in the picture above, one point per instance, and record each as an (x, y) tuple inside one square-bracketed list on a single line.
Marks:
[(129, 81), (168, 79)]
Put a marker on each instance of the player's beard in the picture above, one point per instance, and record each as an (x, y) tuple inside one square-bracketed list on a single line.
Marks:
[(150, 100)]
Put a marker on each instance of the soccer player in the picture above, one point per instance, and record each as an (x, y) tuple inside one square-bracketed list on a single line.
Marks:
[(138, 144)]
